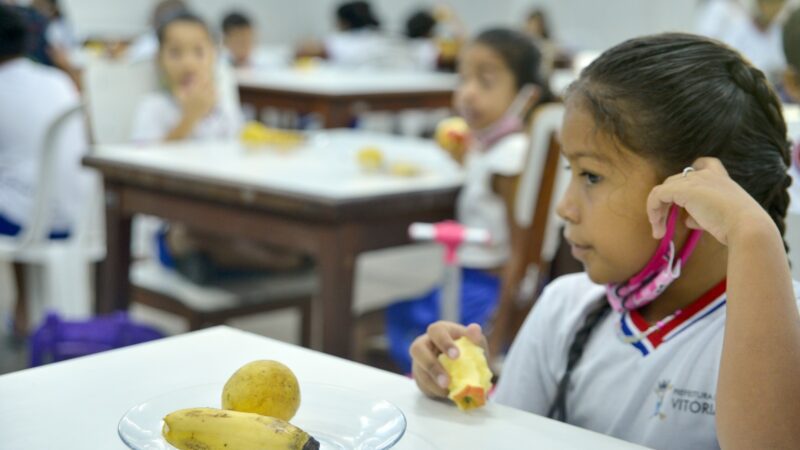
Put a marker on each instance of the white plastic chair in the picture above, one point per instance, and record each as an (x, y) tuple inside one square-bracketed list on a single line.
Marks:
[(114, 90), (57, 273), (536, 234), (793, 240)]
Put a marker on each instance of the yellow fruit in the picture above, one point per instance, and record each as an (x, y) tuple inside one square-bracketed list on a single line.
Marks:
[(470, 376), (452, 134), (401, 169), (370, 158), (216, 429), (255, 134), (263, 387)]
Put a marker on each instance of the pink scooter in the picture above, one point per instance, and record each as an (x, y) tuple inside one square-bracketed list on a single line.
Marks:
[(451, 235)]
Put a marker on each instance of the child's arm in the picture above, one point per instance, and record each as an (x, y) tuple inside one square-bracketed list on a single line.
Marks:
[(196, 102), (758, 392)]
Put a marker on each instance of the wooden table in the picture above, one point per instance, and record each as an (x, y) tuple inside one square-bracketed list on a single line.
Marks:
[(76, 405), (314, 199), (333, 93)]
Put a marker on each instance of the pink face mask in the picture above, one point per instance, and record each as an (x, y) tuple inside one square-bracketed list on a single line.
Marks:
[(658, 274), (511, 122)]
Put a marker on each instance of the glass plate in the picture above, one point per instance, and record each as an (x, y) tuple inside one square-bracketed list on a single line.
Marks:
[(339, 418)]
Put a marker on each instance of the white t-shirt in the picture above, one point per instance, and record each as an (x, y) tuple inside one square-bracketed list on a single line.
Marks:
[(478, 206), (32, 96), (359, 48), (659, 392), (159, 113)]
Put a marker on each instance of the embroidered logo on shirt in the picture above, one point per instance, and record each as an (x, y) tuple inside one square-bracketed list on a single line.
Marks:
[(661, 391), (681, 400)]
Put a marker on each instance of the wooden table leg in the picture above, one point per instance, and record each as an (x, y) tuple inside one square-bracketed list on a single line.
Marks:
[(114, 291), (331, 310)]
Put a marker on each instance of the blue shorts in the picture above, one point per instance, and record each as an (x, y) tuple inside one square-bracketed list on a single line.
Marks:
[(11, 228), (480, 292)]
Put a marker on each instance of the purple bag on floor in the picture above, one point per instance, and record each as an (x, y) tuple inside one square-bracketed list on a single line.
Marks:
[(58, 340)]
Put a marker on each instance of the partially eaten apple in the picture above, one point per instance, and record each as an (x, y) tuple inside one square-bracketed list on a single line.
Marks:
[(470, 376), (453, 135)]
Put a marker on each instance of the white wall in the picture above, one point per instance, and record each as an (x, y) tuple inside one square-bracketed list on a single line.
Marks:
[(593, 24)]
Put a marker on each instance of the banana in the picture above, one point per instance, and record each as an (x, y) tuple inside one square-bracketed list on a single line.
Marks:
[(218, 429)]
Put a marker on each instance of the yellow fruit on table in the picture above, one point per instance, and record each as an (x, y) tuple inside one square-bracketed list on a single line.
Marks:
[(255, 134), (217, 429), (263, 387), (370, 158), (452, 134), (470, 376), (402, 169)]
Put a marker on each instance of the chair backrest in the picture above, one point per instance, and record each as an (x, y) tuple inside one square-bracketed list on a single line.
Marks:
[(37, 230), (540, 185), (534, 233), (113, 92), (115, 88)]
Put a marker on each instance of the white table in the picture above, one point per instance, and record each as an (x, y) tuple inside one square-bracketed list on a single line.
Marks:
[(313, 199), (333, 92), (77, 404)]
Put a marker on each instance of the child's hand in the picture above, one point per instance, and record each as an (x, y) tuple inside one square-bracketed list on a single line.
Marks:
[(715, 202), (197, 99), (429, 374)]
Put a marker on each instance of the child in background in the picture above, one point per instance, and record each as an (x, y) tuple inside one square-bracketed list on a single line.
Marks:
[(145, 47), (238, 39), (189, 108), (678, 157), (358, 41), (498, 69), (538, 27), (32, 96), (420, 33)]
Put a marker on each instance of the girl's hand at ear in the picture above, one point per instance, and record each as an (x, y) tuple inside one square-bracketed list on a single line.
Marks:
[(429, 374), (715, 203)]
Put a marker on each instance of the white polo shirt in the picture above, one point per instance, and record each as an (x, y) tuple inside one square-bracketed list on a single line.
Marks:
[(32, 96), (479, 206), (659, 392), (159, 113)]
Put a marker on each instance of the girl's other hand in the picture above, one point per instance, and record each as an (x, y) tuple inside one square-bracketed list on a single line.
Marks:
[(197, 99), (429, 374), (715, 203)]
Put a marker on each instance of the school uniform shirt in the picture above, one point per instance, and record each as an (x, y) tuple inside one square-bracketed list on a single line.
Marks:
[(159, 113), (659, 392), (32, 96), (359, 48), (478, 206)]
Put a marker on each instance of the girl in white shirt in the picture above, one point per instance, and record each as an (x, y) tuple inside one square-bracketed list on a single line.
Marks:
[(678, 157), (500, 75), (189, 108)]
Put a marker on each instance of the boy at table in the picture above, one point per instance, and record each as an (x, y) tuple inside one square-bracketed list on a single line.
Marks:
[(189, 109), (238, 39)]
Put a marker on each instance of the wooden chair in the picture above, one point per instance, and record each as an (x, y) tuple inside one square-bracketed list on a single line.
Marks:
[(535, 228)]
